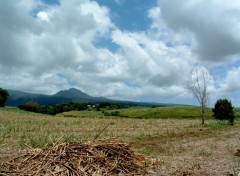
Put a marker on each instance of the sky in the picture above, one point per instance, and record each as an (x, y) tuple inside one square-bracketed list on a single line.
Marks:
[(138, 50)]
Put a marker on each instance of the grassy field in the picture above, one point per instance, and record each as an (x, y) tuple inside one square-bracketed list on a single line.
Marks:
[(170, 136)]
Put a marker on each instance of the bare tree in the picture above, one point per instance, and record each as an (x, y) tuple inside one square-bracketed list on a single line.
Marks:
[(197, 81)]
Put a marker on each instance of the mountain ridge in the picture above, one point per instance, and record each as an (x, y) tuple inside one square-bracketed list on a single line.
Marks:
[(17, 98)]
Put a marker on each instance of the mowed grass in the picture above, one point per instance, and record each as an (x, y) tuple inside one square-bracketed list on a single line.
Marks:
[(175, 145)]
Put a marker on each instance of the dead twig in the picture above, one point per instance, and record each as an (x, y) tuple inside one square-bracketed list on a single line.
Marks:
[(101, 131)]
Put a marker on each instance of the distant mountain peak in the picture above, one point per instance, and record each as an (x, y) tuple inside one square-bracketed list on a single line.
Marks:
[(73, 89), (17, 98), (72, 93)]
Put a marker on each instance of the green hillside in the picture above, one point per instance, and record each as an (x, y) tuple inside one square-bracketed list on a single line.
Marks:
[(175, 112)]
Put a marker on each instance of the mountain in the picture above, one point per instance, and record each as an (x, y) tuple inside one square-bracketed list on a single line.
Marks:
[(64, 96), (71, 95)]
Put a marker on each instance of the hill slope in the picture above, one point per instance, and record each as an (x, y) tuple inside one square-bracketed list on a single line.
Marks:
[(71, 95), (17, 97)]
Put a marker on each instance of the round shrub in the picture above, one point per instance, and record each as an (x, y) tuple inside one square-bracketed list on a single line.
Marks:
[(223, 110), (30, 106)]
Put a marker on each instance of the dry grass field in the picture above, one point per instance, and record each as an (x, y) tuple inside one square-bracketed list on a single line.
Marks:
[(174, 146)]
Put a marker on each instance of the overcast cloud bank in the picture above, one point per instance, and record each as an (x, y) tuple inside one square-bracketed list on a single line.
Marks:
[(46, 48)]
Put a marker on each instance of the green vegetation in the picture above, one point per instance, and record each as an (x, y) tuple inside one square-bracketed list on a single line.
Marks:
[(171, 112), (223, 110), (3, 97), (176, 112), (71, 106), (52, 109)]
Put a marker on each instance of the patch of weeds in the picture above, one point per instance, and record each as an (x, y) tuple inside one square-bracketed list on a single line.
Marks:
[(212, 124), (69, 138), (160, 161), (110, 134), (1, 140), (141, 136), (5, 134), (112, 113), (181, 172), (217, 124), (194, 126), (180, 149), (213, 146), (70, 115), (195, 164), (204, 152), (149, 150), (33, 141)]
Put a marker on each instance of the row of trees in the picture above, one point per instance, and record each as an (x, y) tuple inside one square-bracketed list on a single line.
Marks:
[(52, 109), (65, 107)]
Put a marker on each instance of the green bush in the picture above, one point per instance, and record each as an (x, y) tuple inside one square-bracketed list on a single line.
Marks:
[(3, 97), (30, 106), (223, 110), (112, 113)]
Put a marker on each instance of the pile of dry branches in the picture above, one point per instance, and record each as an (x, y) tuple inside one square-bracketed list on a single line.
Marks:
[(102, 157)]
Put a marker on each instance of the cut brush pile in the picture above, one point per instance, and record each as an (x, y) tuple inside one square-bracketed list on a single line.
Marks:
[(102, 157)]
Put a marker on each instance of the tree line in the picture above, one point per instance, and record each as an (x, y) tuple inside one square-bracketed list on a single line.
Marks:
[(223, 109), (65, 107)]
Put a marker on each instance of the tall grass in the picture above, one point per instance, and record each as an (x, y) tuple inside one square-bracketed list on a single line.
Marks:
[(21, 129), (176, 143)]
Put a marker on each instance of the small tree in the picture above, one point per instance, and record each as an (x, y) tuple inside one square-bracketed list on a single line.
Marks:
[(3, 97), (197, 81), (30, 106), (223, 110)]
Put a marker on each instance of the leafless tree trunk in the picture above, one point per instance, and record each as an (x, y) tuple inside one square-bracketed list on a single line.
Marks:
[(197, 82)]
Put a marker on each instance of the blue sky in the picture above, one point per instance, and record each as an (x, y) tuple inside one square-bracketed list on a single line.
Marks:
[(121, 49)]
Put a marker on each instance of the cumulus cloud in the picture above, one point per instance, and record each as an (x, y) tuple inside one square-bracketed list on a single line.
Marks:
[(157, 64), (54, 48), (57, 37), (215, 25), (230, 82), (60, 32), (45, 48)]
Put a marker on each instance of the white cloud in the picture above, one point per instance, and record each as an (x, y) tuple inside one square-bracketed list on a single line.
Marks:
[(58, 37), (63, 44), (215, 25), (230, 82), (157, 64), (43, 16), (54, 49)]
